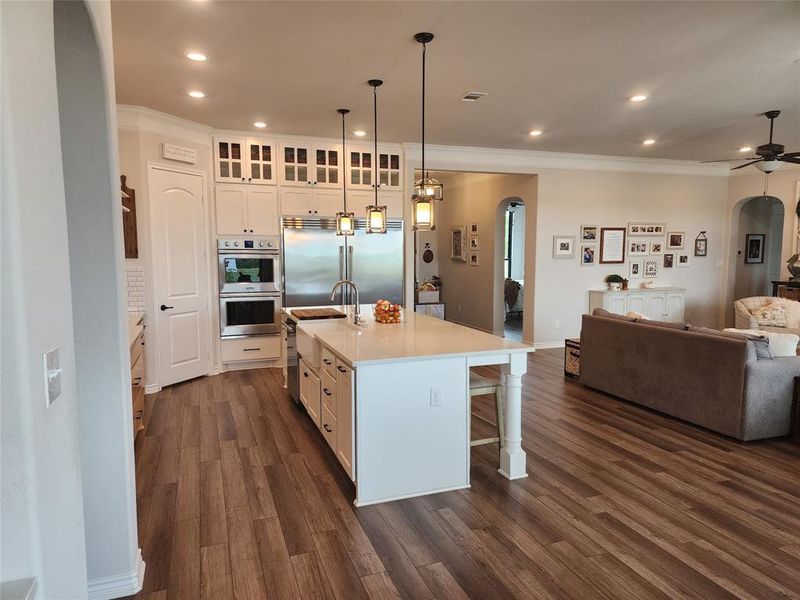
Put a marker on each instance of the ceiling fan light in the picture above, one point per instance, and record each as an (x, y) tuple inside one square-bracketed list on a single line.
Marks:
[(768, 166), (423, 214), (345, 223), (376, 219), (428, 187)]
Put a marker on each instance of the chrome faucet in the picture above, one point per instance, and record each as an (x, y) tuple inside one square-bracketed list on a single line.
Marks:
[(357, 305)]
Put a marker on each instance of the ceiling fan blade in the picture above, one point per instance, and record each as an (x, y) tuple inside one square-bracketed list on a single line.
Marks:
[(729, 160), (791, 154), (790, 159), (746, 164)]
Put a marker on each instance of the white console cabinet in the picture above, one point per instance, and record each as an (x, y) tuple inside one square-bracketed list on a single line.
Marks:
[(658, 304)]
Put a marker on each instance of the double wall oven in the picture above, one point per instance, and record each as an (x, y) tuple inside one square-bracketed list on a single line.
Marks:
[(249, 287)]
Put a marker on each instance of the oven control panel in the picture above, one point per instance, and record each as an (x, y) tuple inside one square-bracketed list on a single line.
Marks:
[(267, 243)]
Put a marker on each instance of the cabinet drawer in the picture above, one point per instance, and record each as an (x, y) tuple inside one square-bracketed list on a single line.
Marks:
[(328, 361), (310, 392), (343, 370), (328, 383), (138, 408), (251, 348), (137, 348), (137, 372), (329, 427)]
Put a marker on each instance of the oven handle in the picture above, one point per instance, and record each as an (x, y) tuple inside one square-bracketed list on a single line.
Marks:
[(250, 295)]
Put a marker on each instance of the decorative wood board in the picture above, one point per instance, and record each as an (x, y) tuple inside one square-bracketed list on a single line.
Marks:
[(129, 219), (318, 313)]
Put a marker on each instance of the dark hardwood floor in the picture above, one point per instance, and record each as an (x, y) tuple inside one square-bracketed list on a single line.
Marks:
[(239, 497)]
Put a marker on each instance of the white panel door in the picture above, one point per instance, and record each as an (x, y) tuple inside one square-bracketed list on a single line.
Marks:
[(262, 211), (180, 274), (231, 202)]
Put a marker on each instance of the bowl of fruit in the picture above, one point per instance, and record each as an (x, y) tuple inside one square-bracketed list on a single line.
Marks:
[(386, 312)]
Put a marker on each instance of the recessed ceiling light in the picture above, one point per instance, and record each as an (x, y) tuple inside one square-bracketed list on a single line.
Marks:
[(649, 142), (745, 149), (638, 98), (196, 56), (359, 133), (259, 124), (535, 132), (197, 94)]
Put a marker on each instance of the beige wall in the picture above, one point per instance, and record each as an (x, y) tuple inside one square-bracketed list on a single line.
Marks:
[(759, 216)]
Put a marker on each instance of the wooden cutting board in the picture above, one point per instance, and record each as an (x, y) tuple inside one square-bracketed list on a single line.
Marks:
[(318, 313)]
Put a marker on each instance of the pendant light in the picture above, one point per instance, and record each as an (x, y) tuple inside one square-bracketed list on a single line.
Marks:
[(376, 215), (345, 223), (426, 189)]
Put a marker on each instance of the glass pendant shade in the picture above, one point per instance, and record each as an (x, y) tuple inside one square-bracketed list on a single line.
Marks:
[(345, 223), (423, 214), (376, 219), (427, 187)]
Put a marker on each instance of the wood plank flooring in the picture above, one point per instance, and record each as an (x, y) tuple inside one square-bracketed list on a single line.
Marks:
[(239, 497)]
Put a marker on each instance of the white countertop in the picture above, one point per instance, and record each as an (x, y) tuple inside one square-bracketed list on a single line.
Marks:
[(414, 337), (135, 326), (657, 288)]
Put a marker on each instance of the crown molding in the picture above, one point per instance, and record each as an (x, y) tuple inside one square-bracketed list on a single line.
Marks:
[(498, 160), (147, 119)]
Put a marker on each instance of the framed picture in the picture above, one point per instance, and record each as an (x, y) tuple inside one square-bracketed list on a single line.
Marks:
[(650, 268), (588, 233), (657, 247), (637, 248), (458, 243), (563, 246), (473, 259), (669, 261), (675, 240), (473, 242), (612, 245), (635, 269), (587, 255), (754, 248), (473, 229), (701, 245), (646, 229), (682, 259)]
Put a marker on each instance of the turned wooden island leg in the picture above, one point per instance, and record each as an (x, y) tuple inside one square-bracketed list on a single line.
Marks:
[(512, 456)]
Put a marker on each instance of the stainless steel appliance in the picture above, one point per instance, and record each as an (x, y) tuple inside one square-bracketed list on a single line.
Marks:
[(314, 258), (249, 265), (289, 331), (249, 314)]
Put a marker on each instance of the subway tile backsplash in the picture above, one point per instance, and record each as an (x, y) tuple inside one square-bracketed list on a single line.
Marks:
[(135, 288)]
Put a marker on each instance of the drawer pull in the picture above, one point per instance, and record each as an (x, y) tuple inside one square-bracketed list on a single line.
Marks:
[(326, 361), (250, 349), (327, 428), (326, 391), (136, 380), (305, 374), (139, 414), (341, 369)]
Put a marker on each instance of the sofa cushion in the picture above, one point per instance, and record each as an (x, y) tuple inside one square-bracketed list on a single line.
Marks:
[(771, 315), (602, 312), (792, 308), (759, 342), (780, 344)]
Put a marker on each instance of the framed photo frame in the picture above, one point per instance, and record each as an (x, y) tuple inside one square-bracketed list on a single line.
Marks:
[(473, 259), (612, 245), (675, 240), (563, 246), (754, 248), (657, 247), (637, 247), (635, 269), (588, 255), (458, 243), (650, 268), (473, 229), (473, 242), (669, 260), (682, 259), (646, 229), (588, 234), (701, 244)]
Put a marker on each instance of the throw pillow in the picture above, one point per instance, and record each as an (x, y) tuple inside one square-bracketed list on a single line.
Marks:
[(792, 308), (632, 314), (780, 344), (755, 337), (771, 315)]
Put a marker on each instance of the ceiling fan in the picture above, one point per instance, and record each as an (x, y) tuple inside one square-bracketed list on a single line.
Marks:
[(770, 155)]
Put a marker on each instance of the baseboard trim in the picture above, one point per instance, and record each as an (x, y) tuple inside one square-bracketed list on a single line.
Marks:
[(548, 345), (152, 388), (118, 586)]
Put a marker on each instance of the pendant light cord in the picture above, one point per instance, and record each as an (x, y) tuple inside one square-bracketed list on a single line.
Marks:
[(344, 162), (375, 158), (424, 49)]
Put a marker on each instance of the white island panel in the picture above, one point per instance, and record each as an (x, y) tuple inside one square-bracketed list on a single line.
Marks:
[(405, 446)]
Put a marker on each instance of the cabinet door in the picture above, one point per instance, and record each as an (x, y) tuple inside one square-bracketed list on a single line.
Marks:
[(262, 210), (309, 393), (327, 167), (655, 306), (636, 303), (360, 166), (327, 202), (616, 303), (229, 160), (676, 307), (389, 171), (231, 201), (344, 417), (357, 201), (295, 165), (296, 201), (260, 162)]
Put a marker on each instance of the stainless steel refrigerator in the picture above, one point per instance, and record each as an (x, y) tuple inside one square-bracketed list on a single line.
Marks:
[(315, 258)]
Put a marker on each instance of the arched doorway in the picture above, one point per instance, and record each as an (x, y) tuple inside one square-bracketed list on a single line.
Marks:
[(511, 216), (759, 242)]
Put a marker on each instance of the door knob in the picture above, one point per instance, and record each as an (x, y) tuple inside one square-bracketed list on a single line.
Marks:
[(165, 307)]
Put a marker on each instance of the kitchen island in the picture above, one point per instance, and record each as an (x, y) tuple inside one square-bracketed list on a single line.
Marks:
[(393, 400)]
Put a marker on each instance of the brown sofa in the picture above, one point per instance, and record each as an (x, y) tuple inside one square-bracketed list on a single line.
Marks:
[(708, 378)]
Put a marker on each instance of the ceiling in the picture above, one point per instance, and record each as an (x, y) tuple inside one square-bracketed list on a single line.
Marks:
[(567, 68)]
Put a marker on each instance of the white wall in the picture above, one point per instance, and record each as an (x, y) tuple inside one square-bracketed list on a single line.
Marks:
[(518, 244), (759, 216)]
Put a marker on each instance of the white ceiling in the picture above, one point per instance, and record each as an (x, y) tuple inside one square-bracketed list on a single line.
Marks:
[(567, 68)]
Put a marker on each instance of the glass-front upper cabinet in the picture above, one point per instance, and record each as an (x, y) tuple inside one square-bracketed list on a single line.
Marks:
[(295, 167), (361, 168), (261, 162), (229, 160), (315, 165), (389, 170), (327, 166)]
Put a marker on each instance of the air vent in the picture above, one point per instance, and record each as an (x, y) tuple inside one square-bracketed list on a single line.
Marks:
[(472, 96)]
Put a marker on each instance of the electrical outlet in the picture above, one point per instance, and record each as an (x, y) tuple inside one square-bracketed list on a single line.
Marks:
[(52, 376), (436, 396), (556, 324)]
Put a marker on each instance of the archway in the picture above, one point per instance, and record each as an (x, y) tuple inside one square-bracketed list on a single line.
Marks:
[(102, 369), (759, 241), (511, 219)]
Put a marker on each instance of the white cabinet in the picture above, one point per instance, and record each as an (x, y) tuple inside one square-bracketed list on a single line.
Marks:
[(310, 392), (345, 408), (304, 202), (357, 202), (244, 160), (315, 165), (247, 209), (361, 167), (657, 304)]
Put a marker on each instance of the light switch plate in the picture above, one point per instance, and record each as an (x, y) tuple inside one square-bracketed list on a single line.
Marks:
[(52, 376), (436, 396)]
